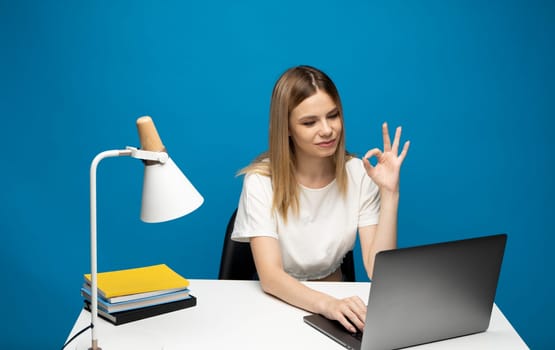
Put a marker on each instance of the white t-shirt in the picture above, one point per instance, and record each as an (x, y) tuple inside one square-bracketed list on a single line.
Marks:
[(313, 243)]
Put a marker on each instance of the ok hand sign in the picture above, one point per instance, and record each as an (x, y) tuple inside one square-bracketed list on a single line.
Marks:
[(386, 171)]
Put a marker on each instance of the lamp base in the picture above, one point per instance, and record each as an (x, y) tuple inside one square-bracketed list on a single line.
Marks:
[(95, 345)]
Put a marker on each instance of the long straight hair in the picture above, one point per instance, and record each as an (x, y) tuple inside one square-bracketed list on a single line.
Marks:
[(279, 162)]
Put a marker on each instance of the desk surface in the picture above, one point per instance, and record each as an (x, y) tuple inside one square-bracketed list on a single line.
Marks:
[(238, 315)]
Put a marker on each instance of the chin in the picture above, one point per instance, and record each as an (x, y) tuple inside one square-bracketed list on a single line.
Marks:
[(328, 153)]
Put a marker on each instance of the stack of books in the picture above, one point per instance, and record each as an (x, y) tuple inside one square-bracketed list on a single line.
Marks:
[(134, 294)]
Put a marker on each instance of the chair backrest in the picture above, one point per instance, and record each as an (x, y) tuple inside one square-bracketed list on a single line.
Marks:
[(348, 267), (237, 263)]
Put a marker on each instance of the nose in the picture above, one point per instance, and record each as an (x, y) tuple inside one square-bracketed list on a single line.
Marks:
[(326, 129)]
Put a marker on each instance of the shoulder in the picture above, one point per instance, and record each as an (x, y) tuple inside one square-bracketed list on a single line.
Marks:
[(256, 182), (256, 177), (261, 165)]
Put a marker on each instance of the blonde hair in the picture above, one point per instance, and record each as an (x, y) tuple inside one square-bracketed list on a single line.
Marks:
[(293, 87)]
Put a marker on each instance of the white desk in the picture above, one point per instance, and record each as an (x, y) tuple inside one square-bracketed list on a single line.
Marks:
[(238, 315)]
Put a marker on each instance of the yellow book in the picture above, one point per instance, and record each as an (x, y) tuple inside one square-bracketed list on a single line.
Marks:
[(138, 280)]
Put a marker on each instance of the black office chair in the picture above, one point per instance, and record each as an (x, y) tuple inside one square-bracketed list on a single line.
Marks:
[(237, 263)]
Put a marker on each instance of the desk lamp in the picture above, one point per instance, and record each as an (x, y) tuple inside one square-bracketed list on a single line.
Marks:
[(167, 194)]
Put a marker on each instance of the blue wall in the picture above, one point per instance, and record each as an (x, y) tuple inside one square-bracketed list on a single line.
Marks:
[(471, 82)]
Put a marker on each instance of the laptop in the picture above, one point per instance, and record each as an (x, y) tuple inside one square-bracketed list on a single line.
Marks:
[(426, 293)]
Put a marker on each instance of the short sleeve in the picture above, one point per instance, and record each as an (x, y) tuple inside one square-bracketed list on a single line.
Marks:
[(254, 212)]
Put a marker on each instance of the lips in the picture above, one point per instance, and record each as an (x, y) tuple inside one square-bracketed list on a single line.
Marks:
[(327, 144)]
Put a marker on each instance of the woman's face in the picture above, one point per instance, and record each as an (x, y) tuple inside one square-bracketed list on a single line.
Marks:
[(315, 126)]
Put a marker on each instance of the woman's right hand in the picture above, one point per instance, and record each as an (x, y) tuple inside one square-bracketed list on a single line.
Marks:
[(350, 312)]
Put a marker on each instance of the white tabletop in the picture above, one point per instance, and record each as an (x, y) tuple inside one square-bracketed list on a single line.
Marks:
[(238, 315)]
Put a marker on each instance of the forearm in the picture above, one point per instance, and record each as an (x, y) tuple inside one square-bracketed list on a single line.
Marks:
[(386, 230), (350, 312), (290, 290), (275, 281)]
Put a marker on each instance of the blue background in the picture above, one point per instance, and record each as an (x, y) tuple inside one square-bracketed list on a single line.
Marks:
[(471, 82)]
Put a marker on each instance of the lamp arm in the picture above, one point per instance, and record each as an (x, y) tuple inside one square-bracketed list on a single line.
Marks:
[(94, 279)]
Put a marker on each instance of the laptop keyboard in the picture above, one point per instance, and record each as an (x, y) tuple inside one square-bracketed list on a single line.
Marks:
[(357, 335)]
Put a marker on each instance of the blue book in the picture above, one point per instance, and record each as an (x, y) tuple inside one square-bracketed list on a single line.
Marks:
[(138, 303), (135, 296)]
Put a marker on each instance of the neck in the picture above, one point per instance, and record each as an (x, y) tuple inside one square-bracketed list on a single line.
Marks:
[(315, 172)]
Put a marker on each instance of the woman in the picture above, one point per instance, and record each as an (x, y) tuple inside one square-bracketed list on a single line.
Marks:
[(304, 200)]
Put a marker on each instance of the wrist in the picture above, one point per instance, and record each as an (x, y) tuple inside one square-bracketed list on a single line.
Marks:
[(322, 305), (386, 194)]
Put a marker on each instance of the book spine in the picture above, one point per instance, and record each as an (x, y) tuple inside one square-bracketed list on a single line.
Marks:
[(123, 317), (136, 304)]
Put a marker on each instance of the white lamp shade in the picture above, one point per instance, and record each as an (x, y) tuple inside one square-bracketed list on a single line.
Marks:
[(167, 193)]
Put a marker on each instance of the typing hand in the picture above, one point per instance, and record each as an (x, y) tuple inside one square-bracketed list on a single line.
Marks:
[(350, 312)]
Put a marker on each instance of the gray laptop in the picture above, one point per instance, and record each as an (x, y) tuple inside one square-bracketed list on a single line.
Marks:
[(426, 293)]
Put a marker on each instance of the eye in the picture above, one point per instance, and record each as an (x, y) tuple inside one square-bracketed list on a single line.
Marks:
[(333, 115), (308, 122)]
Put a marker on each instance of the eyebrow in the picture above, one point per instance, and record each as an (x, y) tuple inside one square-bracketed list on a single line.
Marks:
[(333, 111)]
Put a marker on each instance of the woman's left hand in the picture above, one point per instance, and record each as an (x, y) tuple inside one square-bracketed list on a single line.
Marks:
[(386, 171)]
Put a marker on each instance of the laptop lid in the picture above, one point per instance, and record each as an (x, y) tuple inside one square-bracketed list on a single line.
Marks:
[(429, 293)]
